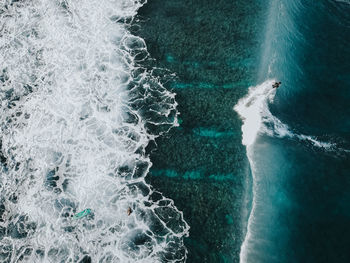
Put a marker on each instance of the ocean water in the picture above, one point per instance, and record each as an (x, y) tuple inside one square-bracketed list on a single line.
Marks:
[(167, 108), (77, 112), (297, 136), (212, 49), (226, 56)]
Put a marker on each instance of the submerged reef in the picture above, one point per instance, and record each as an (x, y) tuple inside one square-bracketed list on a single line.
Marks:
[(211, 47)]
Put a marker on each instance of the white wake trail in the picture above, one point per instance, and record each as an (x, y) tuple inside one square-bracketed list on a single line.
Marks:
[(257, 119)]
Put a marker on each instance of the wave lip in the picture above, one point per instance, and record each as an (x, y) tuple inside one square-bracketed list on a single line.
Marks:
[(257, 119), (252, 108), (77, 112)]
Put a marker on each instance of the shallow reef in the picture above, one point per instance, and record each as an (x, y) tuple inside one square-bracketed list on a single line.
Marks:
[(212, 47)]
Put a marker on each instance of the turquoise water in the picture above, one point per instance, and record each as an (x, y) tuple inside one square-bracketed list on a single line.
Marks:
[(300, 159), (213, 48), (158, 120), (301, 187)]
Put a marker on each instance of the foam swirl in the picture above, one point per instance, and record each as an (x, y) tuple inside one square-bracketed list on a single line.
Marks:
[(77, 111), (257, 118)]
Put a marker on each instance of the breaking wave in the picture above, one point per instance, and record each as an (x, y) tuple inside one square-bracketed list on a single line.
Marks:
[(257, 118), (77, 111)]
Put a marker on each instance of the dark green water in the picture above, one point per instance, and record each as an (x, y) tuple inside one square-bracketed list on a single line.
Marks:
[(72, 139), (302, 191), (213, 48), (301, 196)]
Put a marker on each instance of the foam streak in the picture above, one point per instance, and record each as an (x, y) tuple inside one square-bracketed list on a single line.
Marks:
[(75, 116), (257, 119)]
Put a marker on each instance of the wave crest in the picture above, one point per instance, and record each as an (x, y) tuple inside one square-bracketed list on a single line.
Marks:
[(257, 118)]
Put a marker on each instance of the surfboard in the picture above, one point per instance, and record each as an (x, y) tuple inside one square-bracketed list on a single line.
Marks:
[(83, 213)]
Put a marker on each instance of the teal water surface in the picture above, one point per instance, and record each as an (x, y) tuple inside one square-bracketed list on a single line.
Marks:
[(217, 50), (212, 47), (302, 189)]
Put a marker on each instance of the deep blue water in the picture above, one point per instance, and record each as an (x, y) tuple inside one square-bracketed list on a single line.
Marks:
[(302, 191), (159, 118), (212, 47)]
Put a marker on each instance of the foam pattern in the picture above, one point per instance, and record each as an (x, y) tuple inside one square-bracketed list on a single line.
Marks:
[(258, 119), (77, 111)]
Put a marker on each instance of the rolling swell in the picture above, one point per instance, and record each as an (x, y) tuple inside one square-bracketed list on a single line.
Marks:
[(77, 111), (297, 137)]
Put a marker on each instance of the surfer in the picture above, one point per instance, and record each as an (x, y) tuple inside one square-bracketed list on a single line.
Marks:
[(276, 84), (129, 211)]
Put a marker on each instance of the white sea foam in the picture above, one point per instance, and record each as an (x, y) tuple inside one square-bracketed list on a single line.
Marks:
[(252, 109), (257, 118), (76, 115)]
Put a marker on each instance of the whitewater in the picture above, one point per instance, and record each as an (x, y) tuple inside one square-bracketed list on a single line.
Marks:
[(258, 119), (77, 112), (254, 110)]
